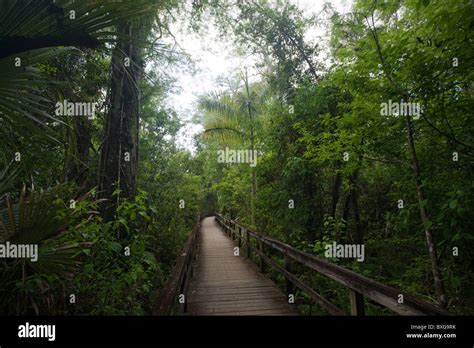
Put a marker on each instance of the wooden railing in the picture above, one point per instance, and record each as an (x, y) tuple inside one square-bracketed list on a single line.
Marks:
[(173, 297), (358, 285)]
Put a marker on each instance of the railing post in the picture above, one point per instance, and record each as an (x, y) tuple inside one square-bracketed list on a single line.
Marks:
[(262, 262), (248, 243), (240, 237), (289, 283), (357, 302)]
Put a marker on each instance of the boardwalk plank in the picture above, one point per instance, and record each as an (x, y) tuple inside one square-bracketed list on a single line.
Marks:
[(224, 284)]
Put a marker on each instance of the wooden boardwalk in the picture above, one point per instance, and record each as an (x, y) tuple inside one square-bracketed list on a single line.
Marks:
[(224, 284), (215, 282)]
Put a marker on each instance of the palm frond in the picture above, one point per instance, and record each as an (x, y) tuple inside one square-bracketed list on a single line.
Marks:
[(33, 32), (224, 135), (32, 220), (224, 122), (21, 103), (220, 105), (7, 178), (32, 24)]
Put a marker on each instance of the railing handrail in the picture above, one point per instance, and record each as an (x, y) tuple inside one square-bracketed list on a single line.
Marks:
[(359, 285), (179, 279)]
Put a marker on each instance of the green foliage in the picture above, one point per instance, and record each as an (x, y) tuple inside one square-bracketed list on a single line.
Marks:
[(80, 254), (330, 166), (119, 274), (36, 219), (38, 31), (412, 50)]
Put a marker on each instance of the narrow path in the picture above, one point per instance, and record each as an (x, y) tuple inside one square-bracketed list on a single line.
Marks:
[(224, 284)]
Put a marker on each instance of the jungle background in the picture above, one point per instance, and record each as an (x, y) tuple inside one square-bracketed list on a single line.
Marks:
[(330, 166)]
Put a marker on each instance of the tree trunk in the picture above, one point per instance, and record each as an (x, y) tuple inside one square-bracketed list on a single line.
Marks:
[(440, 292), (254, 193), (358, 227), (335, 192), (119, 155), (252, 144), (76, 149), (352, 199)]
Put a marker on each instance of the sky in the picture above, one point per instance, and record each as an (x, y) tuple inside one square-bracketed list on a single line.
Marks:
[(215, 60)]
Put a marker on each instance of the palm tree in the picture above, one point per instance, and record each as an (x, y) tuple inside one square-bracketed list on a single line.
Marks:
[(232, 119), (34, 220)]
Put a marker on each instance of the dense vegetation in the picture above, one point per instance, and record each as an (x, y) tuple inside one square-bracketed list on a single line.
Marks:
[(111, 198)]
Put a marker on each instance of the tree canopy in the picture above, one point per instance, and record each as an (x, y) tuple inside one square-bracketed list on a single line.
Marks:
[(364, 138)]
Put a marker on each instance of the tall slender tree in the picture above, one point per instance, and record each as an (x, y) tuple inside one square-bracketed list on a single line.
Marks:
[(234, 119)]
